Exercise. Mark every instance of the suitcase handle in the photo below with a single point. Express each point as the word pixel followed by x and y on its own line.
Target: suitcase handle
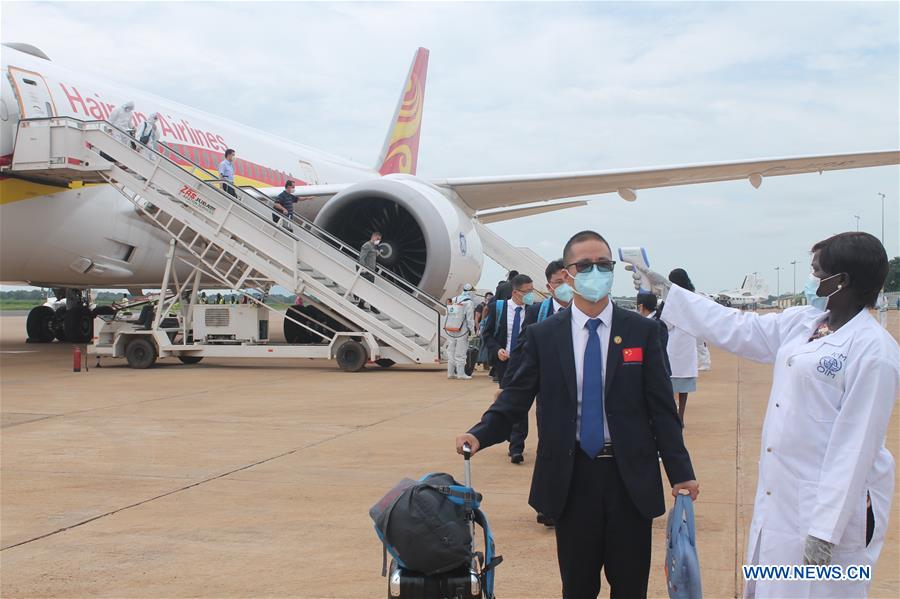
pixel 467 451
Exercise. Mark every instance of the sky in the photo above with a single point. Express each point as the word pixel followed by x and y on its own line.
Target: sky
pixel 520 88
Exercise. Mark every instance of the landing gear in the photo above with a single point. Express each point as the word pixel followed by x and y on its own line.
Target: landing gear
pixel 40 325
pixel 68 318
pixel 78 324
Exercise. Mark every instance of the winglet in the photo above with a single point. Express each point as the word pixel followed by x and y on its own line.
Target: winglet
pixel 401 146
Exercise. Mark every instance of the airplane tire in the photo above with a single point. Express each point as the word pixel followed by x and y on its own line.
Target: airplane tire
pixel 190 359
pixel 352 356
pixel 140 353
pixel 385 362
pixel 78 325
pixel 39 325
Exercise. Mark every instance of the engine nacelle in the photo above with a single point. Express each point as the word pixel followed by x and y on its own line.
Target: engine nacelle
pixel 426 238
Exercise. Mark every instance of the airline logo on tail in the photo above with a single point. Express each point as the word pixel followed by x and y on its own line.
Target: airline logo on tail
pixel 401 147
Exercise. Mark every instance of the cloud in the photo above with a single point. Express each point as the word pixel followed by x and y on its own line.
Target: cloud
pixel 543 87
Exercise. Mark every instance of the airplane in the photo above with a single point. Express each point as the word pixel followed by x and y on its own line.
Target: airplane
pixel 752 293
pixel 73 237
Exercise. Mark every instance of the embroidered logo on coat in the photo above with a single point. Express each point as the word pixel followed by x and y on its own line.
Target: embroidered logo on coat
pixel 831 365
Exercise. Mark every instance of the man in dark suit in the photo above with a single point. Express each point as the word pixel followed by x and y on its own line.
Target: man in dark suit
pixel 504 288
pixel 608 412
pixel 501 335
pixel 560 298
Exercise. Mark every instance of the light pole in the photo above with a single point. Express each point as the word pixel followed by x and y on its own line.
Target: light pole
pixel 856 216
pixel 794 264
pixel 778 281
pixel 882 217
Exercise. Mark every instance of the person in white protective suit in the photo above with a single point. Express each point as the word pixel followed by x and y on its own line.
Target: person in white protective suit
pixel 459 326
pixel 120 118
pixel 825 477
pixel 146 133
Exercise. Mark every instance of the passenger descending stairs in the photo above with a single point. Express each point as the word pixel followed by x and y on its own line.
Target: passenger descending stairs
pixel 233 239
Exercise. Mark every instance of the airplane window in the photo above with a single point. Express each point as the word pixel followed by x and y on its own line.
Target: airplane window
pixel 30 81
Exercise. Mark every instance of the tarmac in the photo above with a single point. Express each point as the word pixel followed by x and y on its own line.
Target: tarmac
pixel 254 478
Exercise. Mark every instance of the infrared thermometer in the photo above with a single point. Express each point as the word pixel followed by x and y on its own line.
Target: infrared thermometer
pixel 637 256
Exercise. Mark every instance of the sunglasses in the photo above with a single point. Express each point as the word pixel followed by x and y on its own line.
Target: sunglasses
pixel 583 266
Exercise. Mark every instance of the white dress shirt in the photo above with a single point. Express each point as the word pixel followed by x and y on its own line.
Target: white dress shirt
pixel 557 306
pixel 510 316
pixel 579 344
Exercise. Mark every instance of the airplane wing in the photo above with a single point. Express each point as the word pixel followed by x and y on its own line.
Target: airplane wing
pixel 485 193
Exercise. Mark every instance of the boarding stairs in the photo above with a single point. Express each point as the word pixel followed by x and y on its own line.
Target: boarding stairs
pixel 232 238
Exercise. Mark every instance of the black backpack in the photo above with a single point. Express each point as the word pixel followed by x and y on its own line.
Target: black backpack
pixel 424 526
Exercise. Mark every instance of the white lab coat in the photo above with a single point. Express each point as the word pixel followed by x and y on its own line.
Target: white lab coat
pixel 823 435
pixel 704 361
pixel 682 350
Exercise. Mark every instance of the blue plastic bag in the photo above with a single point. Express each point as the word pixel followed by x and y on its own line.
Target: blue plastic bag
pixel 682 564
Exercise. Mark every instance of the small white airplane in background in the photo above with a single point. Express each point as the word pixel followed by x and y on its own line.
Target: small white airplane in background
pixel 752 293
pixel 77 237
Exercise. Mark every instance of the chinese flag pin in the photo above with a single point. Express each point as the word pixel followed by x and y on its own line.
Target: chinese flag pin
pixel 617 340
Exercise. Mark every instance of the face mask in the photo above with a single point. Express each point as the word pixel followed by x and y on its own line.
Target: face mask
pixel 593 285
pixel 812 287
pixel 528 298
pixel 377 242
pixel 564 293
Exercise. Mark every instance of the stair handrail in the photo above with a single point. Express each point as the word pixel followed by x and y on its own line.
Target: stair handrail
pixel 390 277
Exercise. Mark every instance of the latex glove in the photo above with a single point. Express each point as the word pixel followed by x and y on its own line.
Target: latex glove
pixel 659 284
pixel 817 552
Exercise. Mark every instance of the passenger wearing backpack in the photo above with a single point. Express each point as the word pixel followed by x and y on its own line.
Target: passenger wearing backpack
pixel 458 326
pixel 146 132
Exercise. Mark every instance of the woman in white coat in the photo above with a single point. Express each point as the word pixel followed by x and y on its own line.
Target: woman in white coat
pixel 682 350
pixel 825 477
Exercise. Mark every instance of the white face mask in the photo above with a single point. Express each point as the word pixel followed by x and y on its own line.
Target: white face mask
pixel 810 290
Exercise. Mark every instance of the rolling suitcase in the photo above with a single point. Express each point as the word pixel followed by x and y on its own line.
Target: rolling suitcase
pixel 472 355
pixel 467 581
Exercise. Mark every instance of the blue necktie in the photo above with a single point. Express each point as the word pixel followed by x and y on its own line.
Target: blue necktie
pixel 517 324
pixel 592 393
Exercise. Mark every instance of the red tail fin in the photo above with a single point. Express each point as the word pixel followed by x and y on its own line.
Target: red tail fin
pixel 401 146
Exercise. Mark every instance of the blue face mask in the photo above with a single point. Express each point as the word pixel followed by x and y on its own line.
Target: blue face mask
pixel 564 293
pixel 593 285
pixel 810 291
pixel 528 298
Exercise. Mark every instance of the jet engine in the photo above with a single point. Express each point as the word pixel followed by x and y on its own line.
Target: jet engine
pixel 426 238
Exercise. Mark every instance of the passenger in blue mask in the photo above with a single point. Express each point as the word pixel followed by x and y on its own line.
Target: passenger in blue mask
pixel 501 335
pixel 607 412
